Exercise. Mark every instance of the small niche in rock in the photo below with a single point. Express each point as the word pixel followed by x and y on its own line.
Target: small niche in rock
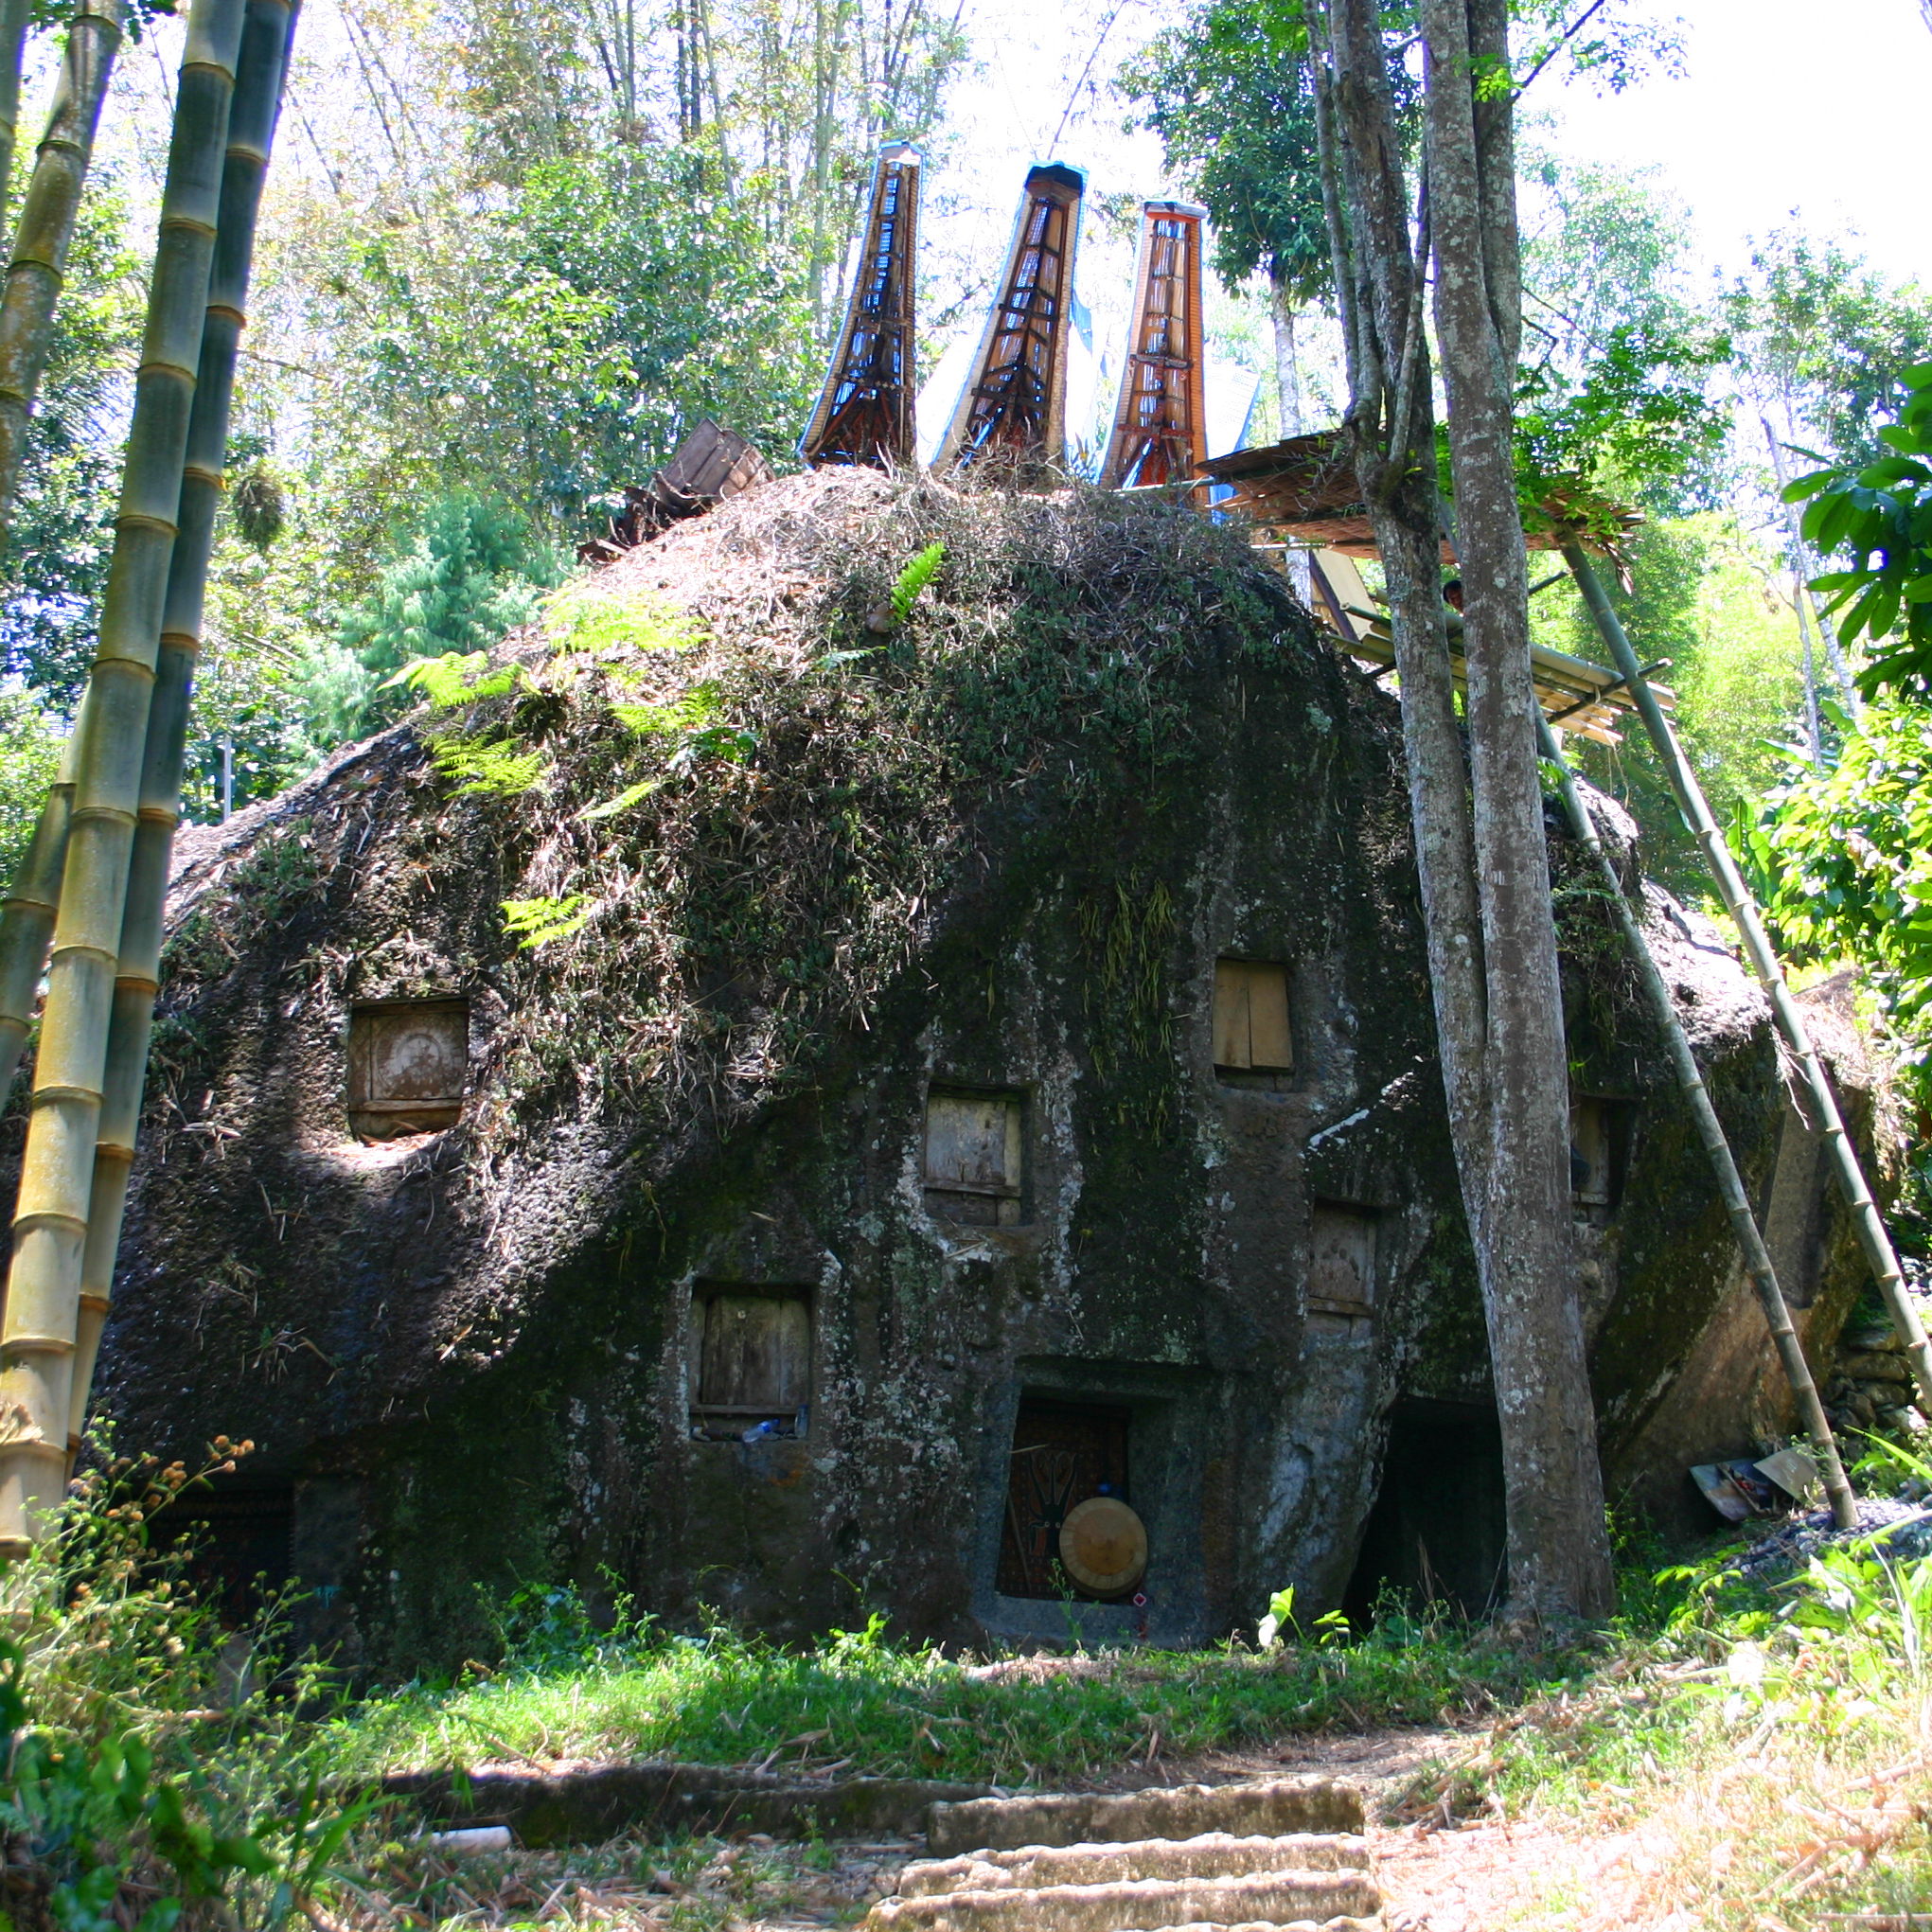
pixel 974 1154
pixel 1254 1041
pixel 750 1363
pixel 1598 1150
pixel 1341 1266
pixel 408 1067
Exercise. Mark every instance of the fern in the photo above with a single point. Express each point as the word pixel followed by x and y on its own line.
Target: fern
pixel 456 678
pixel 585 617
pixel 537 922
pixel 630 795
pixel 914 578
pixel 490 765
pixel 695 711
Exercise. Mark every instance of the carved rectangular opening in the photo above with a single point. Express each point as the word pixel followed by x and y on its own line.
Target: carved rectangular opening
pixel 408 1067
pixel 1598 1146
pixel 1437 1531
pixel 240 1542
pixel 1252 1037
pixel 1063 1453
pixel 974 1151
pixel 1341 1259
pixel 751 1360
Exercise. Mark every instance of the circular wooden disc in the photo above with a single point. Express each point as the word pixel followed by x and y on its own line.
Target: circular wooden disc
pixel 1103 1545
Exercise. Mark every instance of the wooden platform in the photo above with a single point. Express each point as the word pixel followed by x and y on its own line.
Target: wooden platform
pixel 1576 694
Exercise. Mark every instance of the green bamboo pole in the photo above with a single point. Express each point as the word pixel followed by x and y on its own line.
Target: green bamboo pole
pixel 1872 1238
pixel 27 918
pixel 13 25
pixel 1737 1204
pixel 258 75
pixel 26 311
pixel 48 214
pixel 39 1325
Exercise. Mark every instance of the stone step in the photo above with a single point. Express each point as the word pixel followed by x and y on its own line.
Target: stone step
pixel 1276 1809
pixel 1293 1925
pixel 1213 1855
pixel 1145 1905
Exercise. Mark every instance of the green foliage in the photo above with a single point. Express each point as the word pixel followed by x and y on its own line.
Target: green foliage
pixel 30 746
pixel 1826 343
pixel 913 579
pixel 456 678
pixel 537 921
pixel 1842 864
pixel 1709 597
pixel 53 568
pixel 469 572
pixel 1632 425
pixel 590 618
pixel 1881 510
pixel 259 503
pixel 1228 91
pixel 552 346
pixel 503 767
pixel 140 1777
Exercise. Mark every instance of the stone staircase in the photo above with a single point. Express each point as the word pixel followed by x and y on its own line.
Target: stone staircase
pixel 1284 1856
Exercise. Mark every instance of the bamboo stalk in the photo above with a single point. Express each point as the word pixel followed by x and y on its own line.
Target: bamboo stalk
pixel 259 70
pixel 47 213
pixel 39 1325
pixel 13 25
pixel 1872 1238
pixel 27 918
pixel 1711 1136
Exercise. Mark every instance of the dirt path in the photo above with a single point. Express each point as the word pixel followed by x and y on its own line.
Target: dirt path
pixel 1436 1875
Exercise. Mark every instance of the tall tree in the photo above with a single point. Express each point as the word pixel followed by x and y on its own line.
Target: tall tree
pixel 1479 827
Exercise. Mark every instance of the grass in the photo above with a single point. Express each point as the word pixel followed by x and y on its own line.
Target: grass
pixel 864 1706
pixel 1725 1756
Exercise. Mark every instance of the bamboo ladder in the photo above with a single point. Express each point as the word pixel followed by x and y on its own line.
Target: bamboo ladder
pixel 1879 1253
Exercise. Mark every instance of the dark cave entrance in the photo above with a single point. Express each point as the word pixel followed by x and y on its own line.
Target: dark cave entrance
pixel 1437 1531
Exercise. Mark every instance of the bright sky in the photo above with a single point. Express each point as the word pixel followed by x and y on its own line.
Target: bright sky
pixel 1783 105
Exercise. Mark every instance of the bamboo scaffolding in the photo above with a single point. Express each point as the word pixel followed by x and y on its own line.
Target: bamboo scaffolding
pixel 47 213
pixel 38 1329
pixel 1711 1136
pixel 1826 1119
pixel 260 69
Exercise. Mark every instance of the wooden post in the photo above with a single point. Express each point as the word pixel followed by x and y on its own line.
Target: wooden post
pixel 1872 1238
pixel 1711 1136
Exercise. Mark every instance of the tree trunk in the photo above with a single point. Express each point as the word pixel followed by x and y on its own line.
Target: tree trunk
pixel 1479 827
pixel 39 1326
pixel 47 228
pixel 1804 565
pixel 1287 376
pixel 1559 1552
